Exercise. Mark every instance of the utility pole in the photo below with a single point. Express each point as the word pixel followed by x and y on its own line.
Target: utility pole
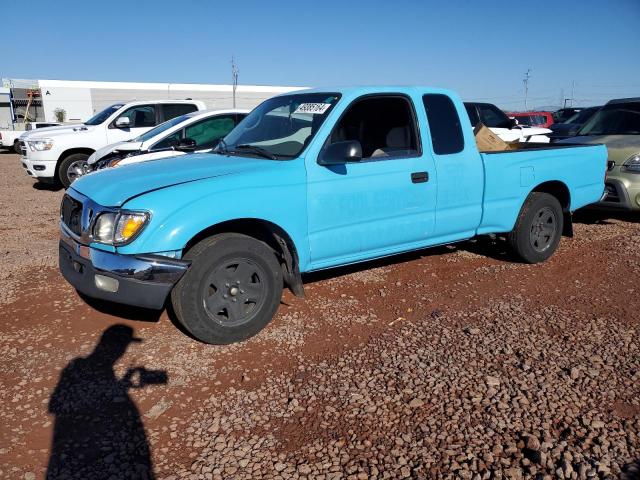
pixel 527 75
pixel 573 88
pixel 234 77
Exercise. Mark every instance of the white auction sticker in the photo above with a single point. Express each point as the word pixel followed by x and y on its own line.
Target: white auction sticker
pixel 313 108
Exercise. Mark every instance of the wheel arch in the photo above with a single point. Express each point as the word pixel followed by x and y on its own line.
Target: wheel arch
pixel 270 233
pixel 71 151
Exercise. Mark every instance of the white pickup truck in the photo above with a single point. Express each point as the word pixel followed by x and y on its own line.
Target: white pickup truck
pixel 59 155
pixel 9 139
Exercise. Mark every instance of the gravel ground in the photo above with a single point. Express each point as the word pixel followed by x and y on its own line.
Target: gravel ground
pixel 450 363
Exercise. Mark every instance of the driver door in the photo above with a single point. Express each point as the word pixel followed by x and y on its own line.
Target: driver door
pixel 384 203
pixel 141 119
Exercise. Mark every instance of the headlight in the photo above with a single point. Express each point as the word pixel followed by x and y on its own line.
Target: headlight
pixel 632 164
pixel 40 145
pixel 119 228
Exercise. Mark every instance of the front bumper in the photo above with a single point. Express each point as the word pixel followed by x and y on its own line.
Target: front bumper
pixel 621 193
pixel 42 170
pixel 137 280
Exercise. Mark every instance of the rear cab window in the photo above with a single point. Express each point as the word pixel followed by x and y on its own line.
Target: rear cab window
pixel 444 124
pixel 172 110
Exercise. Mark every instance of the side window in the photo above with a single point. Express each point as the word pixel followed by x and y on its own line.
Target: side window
pixel 384 125
pixel 473 114
pixel 141 116
pixel 207 133
pixel 444 124
pixel 493 117
pixel 171 141
pixel 172 110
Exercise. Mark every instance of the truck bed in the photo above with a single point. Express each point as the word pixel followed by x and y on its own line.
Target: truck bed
pixel 511 175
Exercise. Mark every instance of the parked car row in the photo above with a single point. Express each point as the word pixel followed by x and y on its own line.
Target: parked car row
pixel 60 154
pixel 306 181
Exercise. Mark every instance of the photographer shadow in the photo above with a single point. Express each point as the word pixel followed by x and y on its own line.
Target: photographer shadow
pixel 98 431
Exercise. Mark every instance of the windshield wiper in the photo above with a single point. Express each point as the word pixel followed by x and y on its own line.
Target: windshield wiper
pixel 259 150
pixel 222 147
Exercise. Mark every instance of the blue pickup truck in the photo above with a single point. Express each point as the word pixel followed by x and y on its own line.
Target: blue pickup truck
pixel 309 181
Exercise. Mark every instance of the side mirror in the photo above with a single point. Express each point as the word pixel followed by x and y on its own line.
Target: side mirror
pixel 338 153
pixel 513 123
pixel 186 145
pixel 123 122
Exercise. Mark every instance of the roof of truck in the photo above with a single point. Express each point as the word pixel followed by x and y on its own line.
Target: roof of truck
pixel 348 90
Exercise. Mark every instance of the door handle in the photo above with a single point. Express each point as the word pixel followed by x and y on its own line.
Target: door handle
pixel 420 177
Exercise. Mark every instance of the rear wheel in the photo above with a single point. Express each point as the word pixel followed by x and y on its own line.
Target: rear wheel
pixel 16 147
pixel 231 291
pixel 538 229
pixel 72 168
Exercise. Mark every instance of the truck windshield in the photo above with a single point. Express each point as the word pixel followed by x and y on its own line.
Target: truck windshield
pixel 280 127
pixel 98 118
pixel 163 127
pixel 614 119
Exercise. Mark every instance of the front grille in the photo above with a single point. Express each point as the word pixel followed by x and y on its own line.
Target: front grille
pixel 71 214
pixel 612 193
pixel 610 165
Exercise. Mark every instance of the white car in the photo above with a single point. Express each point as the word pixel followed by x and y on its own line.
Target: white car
pixel 506 128
pixel 9 139
pixel 60 154
pixel 196 131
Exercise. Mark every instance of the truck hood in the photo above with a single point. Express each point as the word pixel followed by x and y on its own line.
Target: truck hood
pixel 128 146
pixel 112 187
pixel 620 147
pixel 54 132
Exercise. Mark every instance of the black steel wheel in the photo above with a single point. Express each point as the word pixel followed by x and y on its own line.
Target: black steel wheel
pixel 234 290
pixel 231 290
pixel 543 229
pixel 538 228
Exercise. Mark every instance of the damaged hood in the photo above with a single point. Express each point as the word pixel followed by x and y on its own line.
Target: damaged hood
pixel 124 146
pixel 112 187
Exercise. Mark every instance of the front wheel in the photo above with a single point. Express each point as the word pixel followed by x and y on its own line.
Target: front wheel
pixel 16 147
pixel 72 168
pixel 231 291
pixel 538 228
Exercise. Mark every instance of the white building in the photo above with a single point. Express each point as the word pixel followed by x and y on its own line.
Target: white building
pixel 81 99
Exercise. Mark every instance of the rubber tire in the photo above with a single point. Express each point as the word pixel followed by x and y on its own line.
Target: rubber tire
pixel 519 237
pixel 186 298
pixel 64 165
pixel 16 147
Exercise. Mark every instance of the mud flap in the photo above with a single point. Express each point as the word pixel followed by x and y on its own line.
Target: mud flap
pixel 567 228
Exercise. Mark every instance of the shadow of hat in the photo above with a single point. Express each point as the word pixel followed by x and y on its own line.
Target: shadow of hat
pixel 122 334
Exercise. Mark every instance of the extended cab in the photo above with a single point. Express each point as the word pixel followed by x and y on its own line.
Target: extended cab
pixel 310 181
pixel 60 154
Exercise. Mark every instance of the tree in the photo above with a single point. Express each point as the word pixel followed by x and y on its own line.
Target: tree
pixel 61 114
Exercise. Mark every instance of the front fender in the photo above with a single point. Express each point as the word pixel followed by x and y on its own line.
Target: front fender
pixel 181 212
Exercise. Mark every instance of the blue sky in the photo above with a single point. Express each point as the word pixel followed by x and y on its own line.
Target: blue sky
pixel 479 48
